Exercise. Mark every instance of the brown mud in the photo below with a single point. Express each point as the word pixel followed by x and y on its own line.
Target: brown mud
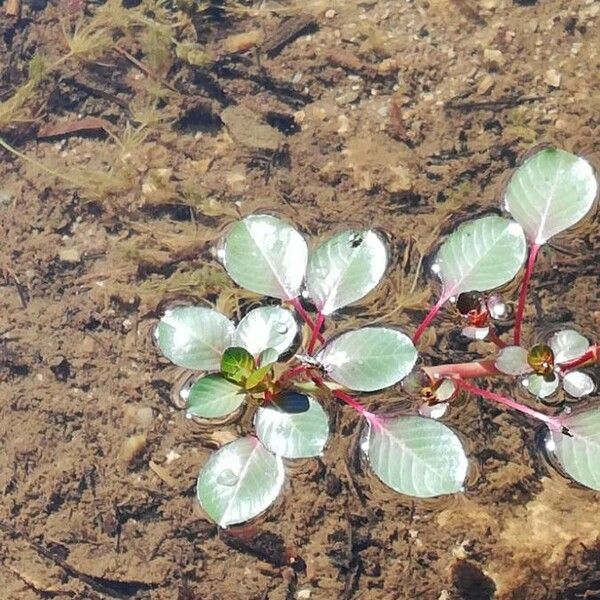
pixel 406 116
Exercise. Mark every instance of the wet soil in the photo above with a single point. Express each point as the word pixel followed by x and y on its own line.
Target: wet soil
pixel 406 116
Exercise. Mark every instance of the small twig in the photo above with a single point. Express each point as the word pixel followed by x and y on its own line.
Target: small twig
pixel 487 104
pixel 143 68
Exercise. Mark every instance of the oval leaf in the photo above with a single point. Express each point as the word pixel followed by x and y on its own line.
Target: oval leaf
pixel 266 255
pixel 578 453
pixel 293 435
pixel 194 337
pixel 368 359
pixel 266 327
pixel 292 402
pixel 212 396
pixel 480 255
pixel 416 456
pixel 237 364
pixel 239 481
pixel 551 191
pixel 345 269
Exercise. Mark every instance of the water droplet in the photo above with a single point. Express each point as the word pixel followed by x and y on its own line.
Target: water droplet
pixel 281 328
pixel 189 415
pixel 227 477
pixel 436 268
pixel 185 393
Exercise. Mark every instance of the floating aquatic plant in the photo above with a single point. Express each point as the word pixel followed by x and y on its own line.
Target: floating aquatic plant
pixel 288 384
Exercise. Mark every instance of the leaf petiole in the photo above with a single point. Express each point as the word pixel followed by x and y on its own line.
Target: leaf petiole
pixel 533 252
pixel 553 423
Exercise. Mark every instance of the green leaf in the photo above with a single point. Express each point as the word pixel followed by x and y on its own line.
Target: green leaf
pixel 268 356
pixel 480 255
pixel 579 453
pixel 416 456
pixel 194 337
pixel 239 481
pixel 237 364
pixel 266 255
pixel 212 397
pixel 550 192
pixel 368 359
pixel 293 435
pixel 258 376
pixel 266 327
pixel 345 269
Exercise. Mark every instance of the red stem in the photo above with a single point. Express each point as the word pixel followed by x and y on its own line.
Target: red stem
pixel 533 252
pixel 295 302
pixel 495 339
pixel 553 423
pixel 483 368
pixel 592 354
pixel 348 399
pixel 293 372
pixel 315 332
pixel 429 317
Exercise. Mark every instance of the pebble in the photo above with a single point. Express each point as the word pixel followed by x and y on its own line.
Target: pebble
pixel 493 59
pixel 133 447
pixel 69 255
pixel 303 594
pixel 347 98
pixel 485 85
pixel 552 78
pixel 330 14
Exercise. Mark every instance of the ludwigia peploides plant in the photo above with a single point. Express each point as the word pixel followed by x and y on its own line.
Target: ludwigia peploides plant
pixel 260 362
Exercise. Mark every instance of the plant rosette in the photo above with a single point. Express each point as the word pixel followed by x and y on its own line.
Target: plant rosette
pixel 412 454
pixel 543 365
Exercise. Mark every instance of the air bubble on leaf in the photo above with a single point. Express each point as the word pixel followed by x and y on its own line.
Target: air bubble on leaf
pixel 184 394
pixel 227 477
pixel 281 328
pixel 550 445
pixel 436 268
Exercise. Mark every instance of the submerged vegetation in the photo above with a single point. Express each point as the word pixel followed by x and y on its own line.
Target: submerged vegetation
pixel 261 362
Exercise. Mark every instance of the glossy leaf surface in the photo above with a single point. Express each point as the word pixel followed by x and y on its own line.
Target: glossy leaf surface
pixel 239 481
pixel 212 397
pixel 194 337
pixel 550 192
pixel 266 255
pixel 579 453
pixel 416 456
pixel 480 255
pixel 368 359
pixel 266 327
pixel 345 269
pixel 293 435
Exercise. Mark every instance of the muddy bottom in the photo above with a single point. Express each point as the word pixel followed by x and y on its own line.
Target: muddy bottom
pixel 404 116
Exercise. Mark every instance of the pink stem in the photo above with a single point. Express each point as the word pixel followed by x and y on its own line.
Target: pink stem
pixel 592 354
pixel 483 368
pixel 293 372
pixel 349 400
pixel 533 252
pixel 315 332
pixel 295 302
pixel 552 422
pixel 430 316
